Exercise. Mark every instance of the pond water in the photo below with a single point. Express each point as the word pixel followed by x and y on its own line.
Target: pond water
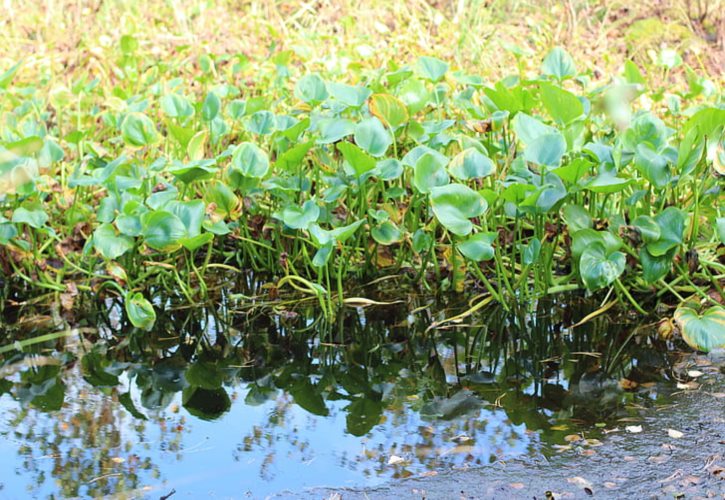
pixel 237 401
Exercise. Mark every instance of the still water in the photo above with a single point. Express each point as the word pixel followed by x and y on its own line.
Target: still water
pixel 240 402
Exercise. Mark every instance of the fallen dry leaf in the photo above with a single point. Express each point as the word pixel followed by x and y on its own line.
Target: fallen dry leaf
pixel 695 373
pixel 572 438
pixel 579 481
pixel 674 434
pixel 395 460
pixel 517 486
pixel 634 429
pixel 689 386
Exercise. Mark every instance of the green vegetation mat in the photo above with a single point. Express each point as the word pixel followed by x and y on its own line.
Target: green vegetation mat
pixel 147 183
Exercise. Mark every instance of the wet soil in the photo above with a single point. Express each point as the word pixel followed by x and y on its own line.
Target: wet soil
pixel 654 463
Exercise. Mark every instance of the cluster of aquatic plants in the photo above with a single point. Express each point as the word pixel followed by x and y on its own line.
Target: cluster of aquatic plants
pixel 523 187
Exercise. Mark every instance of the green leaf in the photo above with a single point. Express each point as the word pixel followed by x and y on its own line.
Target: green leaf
pixel 563 106
pixel 386 233
pixel 109 244
pixel 162 230
pixel 140 311
pixel 528 129
pixel 586 238
pixel 292 158
pixel 191 214
pixel 372 136
pixel 430 172
pixel 311 88
pixel 647 227
pixel 200 170
pixel 672 227
pixel 359 160
pixel 576 217
pixel 720 223
pixel 211 107
pixel 546 150
pixel 654 167
pixel 607 181
pixel 702 332
pixel 34 217
pixel 138 130
pixel 343 233
pixel 7 232
pixel 334 129
pixel 261 122
pixel 176 106
pixel 414 94
pixel 351 95
pixel 389 109
pixel 478 247
pixel 301 217
pixel 431 68
pixel 632 73
pixel 598 269
pixel 222 196
pixel 323 254
pixel 453 206
pixel 192 243
pixel 8 75
pixel 250 160
pixel 531 252
pixel 655 267
pixel 471 164
pixel 559 64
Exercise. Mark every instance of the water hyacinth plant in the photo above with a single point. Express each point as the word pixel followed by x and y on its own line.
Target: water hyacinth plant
pixel 522 187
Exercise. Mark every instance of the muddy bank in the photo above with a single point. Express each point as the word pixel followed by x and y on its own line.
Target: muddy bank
pixel 652 463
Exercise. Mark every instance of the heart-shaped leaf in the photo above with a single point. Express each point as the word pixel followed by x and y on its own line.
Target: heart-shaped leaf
pixel 372 136
pixel 109 244
pixel 389 109
pixel 599 269
pixel 702 332
pixel 559 64
pixel 140 311
pixel 250 160
pixel 478 247
pixel 471 164
pixel 138 130
pixel 301 217
pixel 453 206
pixel 311 88
pixel 430 172
pixel 162 230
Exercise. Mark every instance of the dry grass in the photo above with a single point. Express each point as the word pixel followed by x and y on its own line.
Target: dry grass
pixel 71 37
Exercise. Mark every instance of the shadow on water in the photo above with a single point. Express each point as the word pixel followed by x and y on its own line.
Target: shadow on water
pixel 236 400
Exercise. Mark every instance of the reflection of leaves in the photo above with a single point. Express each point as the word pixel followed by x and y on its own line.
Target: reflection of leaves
pixel 306 396
pixel 362 416
pixel 47 396
pixel 125 400
pixel 93 368
pixel 447 408
pixel 160 383
pixel 205 375
pixel 259 394
pixel 5 386
pixel 205 403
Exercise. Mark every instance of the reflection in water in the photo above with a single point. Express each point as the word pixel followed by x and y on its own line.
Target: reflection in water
pixel 231 401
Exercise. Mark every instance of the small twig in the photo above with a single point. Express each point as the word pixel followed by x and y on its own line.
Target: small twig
pixel 166 497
